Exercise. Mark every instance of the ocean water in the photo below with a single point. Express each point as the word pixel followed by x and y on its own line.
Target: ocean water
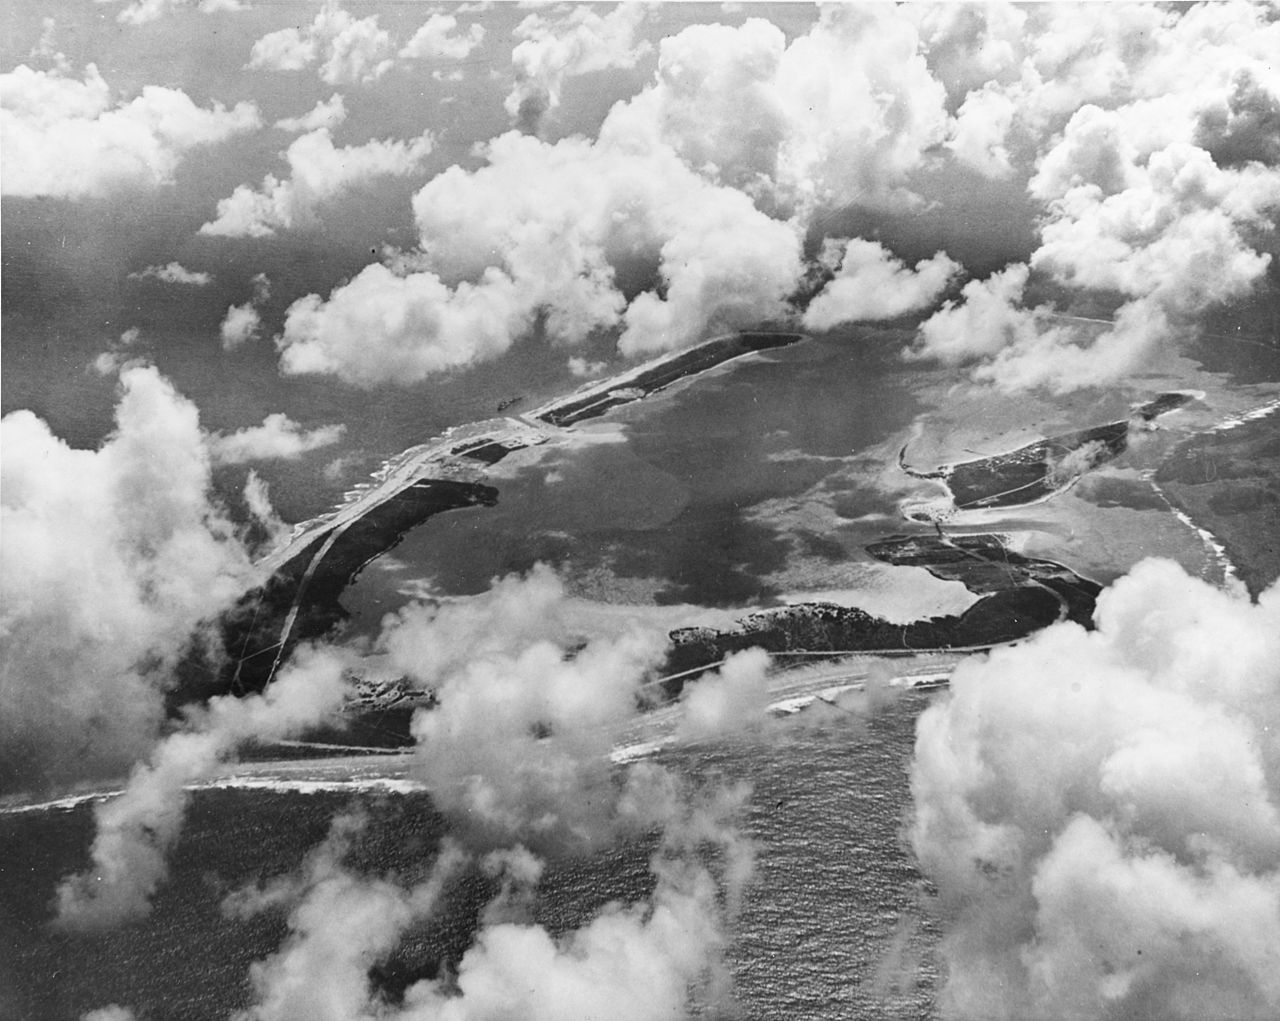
pixel 835 924
pixel 657 502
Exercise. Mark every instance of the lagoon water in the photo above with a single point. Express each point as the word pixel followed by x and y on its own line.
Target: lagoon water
pixel 834 925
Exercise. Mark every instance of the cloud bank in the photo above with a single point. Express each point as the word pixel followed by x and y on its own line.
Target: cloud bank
pixel 1099 812
pixel 1143 131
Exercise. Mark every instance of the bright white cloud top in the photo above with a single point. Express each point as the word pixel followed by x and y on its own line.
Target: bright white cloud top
pixel 69 138
pixel 319 172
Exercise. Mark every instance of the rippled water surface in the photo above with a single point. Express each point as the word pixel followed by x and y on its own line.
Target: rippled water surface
pixel 832 926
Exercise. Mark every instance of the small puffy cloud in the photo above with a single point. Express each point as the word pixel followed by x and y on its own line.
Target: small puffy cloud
pixel 112 559
pixel 123 352
pixel 1099 811
pixel 173 273
pixel 733 698
pixel 278 437
pixel 555 48
pixel 347 49
pixel 871 284
pixel 438 38
pixel 239 326
pixel 583 369
pixel 257 499
pixel 319 172
pixel 112 1012
pixel 68 138
pixel 45 46
pixel 328 113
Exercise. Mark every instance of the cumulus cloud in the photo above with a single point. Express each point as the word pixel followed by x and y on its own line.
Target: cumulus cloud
pixel 1144 134
pixel 517 748
pixel 135 830
pixel 347 49
pixel 278 437
pixel 173 273
pixel 112 559
pixel 1099 811
pixel 438 39
pixel 871 284
pixel 69 139
pixel 319 172
pixel 553 49
pixel 140 12
pixel 841 116
pixel 734 698
pixel 123 352
pixel 987 318
pixel 328 113
pixel 547 228
pixel 242 323
pixel 239 326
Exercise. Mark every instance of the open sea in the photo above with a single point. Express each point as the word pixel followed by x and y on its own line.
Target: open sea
pixel 834 925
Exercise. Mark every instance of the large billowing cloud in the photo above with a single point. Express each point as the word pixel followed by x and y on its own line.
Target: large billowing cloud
pixel 841 116
pixel 547 228
pixel 347 49
pixel 319 171
pixel 69 138
pixel 553 49
pixel 1149 136
pixel 1101 812
pixel 111 560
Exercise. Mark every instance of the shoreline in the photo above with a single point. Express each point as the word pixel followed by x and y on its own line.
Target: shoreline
pixel 445 473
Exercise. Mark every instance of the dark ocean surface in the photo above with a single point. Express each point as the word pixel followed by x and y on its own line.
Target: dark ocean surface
pixel 834 925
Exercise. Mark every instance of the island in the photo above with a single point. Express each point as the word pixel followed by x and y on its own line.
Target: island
pixel 1035 472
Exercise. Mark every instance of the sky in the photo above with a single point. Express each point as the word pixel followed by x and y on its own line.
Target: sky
pixel 231 229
